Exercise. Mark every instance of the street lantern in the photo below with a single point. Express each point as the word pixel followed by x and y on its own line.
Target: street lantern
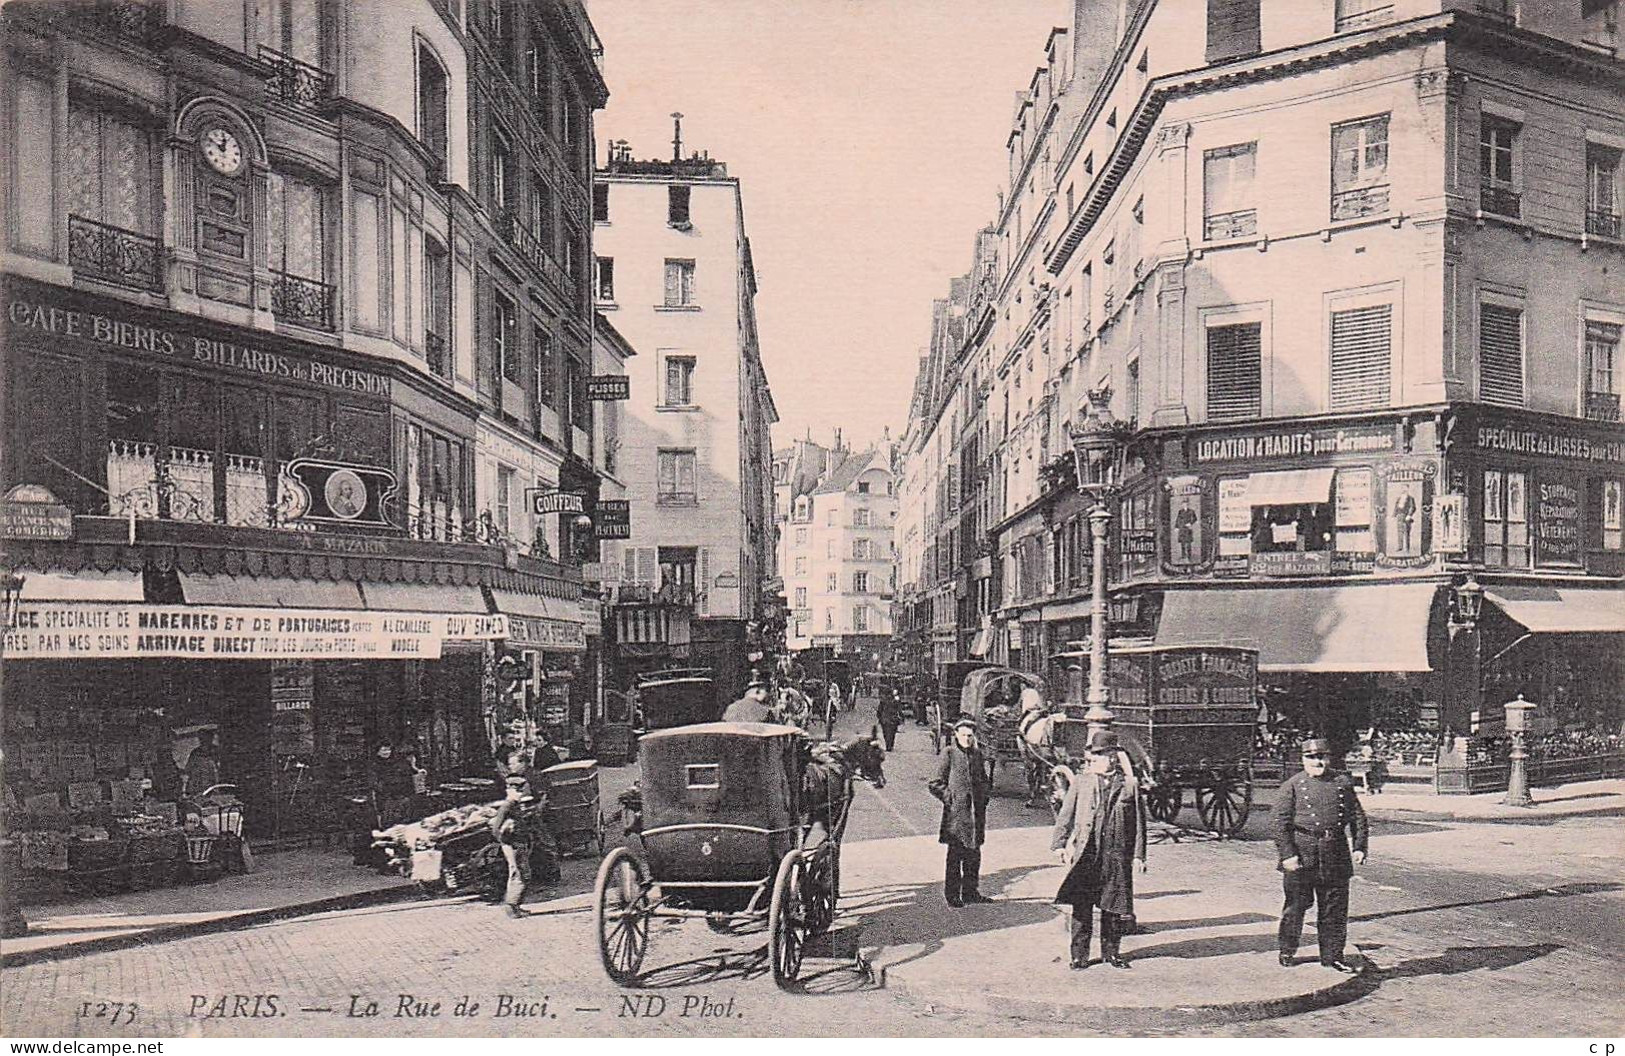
pixel 1469 602
pixel 1517 718
pixel 1099 450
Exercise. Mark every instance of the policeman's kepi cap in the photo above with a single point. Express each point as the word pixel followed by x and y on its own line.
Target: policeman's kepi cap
pixel 1317 746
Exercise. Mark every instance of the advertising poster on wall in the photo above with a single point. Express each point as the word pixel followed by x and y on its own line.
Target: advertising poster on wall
pixel 1186 545
pixel 1449 513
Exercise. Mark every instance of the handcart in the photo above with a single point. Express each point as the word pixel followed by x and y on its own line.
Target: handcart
pixel 571 810
pixel 214 834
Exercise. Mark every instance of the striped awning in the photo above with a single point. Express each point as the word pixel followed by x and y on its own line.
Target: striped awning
pixel 87 584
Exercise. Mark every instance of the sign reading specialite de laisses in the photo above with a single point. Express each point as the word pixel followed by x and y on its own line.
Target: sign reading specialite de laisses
pixel 46 631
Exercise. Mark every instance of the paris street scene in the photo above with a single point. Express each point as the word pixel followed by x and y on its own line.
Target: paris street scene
pixel 622 519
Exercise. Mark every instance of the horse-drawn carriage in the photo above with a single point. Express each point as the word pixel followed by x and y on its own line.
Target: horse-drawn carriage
pixel 950 684
pixel 1187 717
pixel 729 816
pixel 992 696
pixel 678 696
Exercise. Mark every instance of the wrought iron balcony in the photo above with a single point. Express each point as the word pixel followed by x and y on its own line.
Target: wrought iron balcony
pixel 294 82
pixel 1361 201
pixel 303 301
pixel 1602 223
pixel 1238 224
pixel 522 238
pixel 1502 201
pixel 434 352
pixel 112 254
pixel 1602 406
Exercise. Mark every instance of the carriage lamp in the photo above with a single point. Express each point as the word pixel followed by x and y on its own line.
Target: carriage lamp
pixel 1517 717
pixel 11 587
pixel 1099 450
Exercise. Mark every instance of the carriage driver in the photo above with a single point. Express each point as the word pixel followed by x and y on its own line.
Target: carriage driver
pixel 753 706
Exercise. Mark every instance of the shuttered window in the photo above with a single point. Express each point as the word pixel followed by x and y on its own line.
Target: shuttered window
pixel 1360 357
pixel 1234 372
pixel 1500 355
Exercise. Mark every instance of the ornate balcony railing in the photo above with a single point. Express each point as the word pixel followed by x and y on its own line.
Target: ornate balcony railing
pixel 303 301
pixel 1602 223
pixel 1501 201
pixel 434 352
pixel 522 239
pixel 1360 201
pixel 1602 406
pixel 1238 224
pixel 153 482
pixel 295 82
pixel 112 254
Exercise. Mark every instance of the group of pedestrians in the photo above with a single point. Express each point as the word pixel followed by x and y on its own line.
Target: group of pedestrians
pixel 1100 833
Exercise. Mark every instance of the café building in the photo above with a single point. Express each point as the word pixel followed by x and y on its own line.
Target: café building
pixel 235 531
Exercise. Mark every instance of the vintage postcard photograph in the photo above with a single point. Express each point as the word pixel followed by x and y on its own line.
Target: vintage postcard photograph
pixel 712 519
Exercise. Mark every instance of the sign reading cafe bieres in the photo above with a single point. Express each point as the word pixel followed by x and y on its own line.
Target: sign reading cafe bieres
pixel 196 348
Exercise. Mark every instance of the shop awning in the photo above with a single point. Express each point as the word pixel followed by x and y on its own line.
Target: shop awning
pixel 1069 610
pixel 268 592
pixel 1289 487
pixel 515 604
pixel 88 584
pixel 1562 610
pixel 978 647
pixel 423 597
pixel 1371 627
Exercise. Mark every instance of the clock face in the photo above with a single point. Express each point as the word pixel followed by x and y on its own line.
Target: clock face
pixel 222 151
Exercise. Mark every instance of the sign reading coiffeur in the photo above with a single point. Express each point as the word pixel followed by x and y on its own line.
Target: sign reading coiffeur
pixel 46 631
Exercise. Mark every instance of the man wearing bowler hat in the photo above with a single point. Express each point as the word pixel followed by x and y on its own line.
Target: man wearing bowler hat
pixel 1316 812
pixel 962 783
pixel 1099 831
pixel 753 706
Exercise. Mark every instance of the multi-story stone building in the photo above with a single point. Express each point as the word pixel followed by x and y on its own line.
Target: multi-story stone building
pixel 1349 272
pixel 674 274
pixel 296 309
pixel 837 550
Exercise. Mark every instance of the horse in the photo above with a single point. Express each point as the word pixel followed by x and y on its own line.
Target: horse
pixel 793 706
pixel 826 781
pixel 1037 741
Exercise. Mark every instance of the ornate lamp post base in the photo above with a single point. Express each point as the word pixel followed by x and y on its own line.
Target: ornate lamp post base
pixel 1517 719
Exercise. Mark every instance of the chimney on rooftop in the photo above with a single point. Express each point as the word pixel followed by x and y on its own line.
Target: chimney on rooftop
pixel 676 136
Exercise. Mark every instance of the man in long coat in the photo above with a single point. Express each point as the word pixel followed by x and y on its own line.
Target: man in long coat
pixel 753 706
pixel 962 783
pixel 1315 814
pixel 1100 829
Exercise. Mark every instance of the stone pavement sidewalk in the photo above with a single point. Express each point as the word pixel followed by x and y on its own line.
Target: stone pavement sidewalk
pixel 1581 799
pixel 286 883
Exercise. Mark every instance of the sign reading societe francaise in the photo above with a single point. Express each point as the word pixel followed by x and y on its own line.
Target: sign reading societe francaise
pixel 47 631
pixel 23 313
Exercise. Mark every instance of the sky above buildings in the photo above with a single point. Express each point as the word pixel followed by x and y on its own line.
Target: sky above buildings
pixel 868 137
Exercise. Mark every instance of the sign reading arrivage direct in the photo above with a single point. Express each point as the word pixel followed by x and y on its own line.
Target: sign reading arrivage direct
pixel 609 387
pixel 46 631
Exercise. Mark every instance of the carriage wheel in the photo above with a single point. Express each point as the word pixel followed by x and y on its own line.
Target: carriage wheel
pixel 1163 802
pixel 1225 803
pixel 598 833
pixel 1060 783
pixel 787 924
pixel 823 878
pixel 621 915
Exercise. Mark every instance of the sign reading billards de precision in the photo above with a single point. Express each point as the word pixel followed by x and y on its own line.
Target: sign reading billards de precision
pixel 609 387
pixel 542 502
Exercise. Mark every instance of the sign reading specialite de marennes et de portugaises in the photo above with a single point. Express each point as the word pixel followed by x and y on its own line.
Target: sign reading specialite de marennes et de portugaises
pixel 65 631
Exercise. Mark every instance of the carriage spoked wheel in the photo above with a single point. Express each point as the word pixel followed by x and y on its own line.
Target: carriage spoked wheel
pixel 621 914
pixel 1224 803
pixel 787 923
pixel 1163 802
pixel 598 833
pixel 823 891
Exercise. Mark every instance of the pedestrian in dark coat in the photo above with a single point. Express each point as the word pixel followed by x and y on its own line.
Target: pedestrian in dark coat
pixel 1316 813
pixel 962 783
pixel 1100 829
pixel 889 714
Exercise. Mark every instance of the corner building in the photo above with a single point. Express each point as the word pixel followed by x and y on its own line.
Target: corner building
pixel 296 305
pixel 1350 271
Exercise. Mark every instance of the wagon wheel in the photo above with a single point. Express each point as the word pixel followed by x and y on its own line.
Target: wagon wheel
pixel 1224 804
pixel 787 925
pixel 820 893
pixel 1060 782
pixel 598 833
pixel 1163 802
pixel 621 913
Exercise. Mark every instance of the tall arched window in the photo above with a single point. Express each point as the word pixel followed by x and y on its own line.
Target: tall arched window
pixel 432 89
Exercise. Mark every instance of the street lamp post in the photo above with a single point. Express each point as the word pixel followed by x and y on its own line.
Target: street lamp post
pixel 1517 716
pixel 1463 686
pixel 11 591
pixel 1098 451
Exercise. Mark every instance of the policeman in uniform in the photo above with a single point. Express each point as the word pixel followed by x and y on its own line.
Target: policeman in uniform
pixel 1316 812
